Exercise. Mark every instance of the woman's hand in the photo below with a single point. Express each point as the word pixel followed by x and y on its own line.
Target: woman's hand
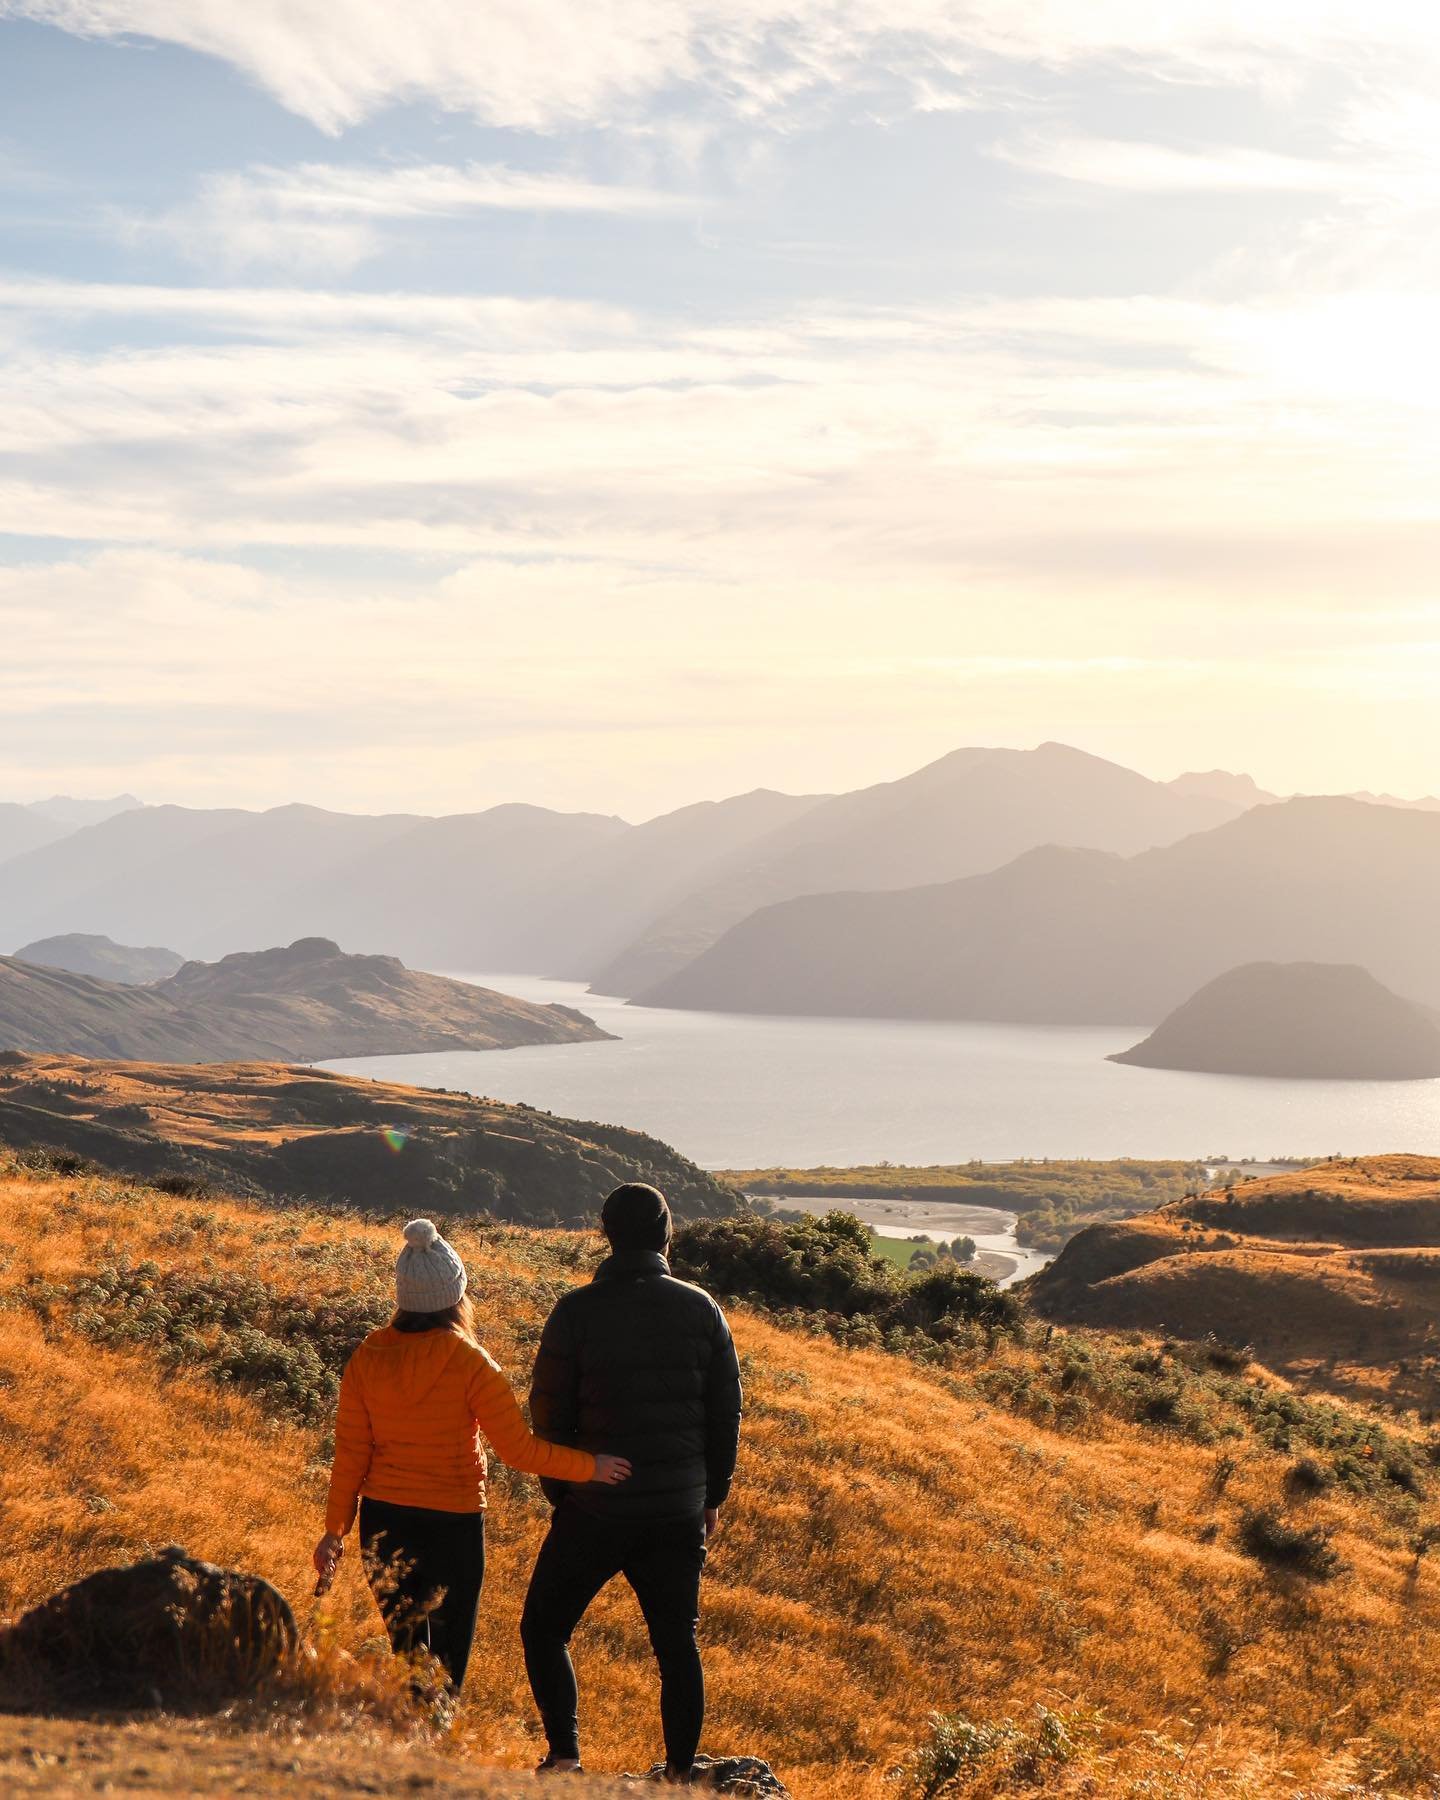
pixel 611 1470
pixel 327 1557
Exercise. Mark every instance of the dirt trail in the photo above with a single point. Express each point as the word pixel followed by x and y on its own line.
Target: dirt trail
pixel 184 1757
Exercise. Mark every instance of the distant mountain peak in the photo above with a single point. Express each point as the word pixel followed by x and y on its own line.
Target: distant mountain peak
pixel 1222 784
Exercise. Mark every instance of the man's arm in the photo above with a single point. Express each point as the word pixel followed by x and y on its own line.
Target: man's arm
pixel 722 1416
pixel 555 1389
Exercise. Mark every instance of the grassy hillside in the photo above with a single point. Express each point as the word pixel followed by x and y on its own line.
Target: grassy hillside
pixel 1332 1273
pixel 1053 1199
pixel 1021 1526
pixel 266 1130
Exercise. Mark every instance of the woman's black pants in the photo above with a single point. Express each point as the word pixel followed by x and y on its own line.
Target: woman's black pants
pixel 425 1569
pixel 662 1559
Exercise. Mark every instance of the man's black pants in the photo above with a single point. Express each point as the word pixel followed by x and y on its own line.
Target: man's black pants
pixel 662 1559
pixel 425 1569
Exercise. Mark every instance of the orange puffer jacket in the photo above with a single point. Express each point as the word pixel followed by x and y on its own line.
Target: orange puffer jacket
pixel 411 1407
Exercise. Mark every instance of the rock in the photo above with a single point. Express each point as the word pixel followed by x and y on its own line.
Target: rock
pixel 745 1775
pixel 165 1630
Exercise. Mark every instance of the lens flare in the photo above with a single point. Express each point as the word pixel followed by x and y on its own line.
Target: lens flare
pixel 396 1136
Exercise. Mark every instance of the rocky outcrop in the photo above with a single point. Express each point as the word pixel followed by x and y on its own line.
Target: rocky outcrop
pixel 747 1776
pixel 167 1630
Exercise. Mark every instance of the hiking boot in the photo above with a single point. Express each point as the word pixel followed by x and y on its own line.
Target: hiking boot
pixel 550 1764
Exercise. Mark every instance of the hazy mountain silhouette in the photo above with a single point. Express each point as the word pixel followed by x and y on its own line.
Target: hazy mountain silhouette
pixel 457 893
pixel 1296 1020
pixel 83 953
pixel 292 1005
pixel 444 891
pixel 1222 784
pixel 615 891
pixel 1079 936
pixel 972 810
pixel 66 809
pixel 23 829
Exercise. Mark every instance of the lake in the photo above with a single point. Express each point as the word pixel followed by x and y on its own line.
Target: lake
pixel 733 1091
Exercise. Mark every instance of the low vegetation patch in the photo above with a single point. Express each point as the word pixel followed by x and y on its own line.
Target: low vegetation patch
pixel 961 1755
pixel 823 1274
pixel 288 1352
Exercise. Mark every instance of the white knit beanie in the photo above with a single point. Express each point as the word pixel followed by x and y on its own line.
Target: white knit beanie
pixel 429 1276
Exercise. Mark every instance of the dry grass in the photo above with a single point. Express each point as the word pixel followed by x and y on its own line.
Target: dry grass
pixel 895 1545
pixel 1331 1272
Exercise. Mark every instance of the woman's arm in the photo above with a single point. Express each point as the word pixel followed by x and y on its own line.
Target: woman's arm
pixel 354 1447
pixel 497 1412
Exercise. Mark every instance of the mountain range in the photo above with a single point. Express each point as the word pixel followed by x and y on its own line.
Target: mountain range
pixel 579 894
pixel 1044 884
pixel 1074 936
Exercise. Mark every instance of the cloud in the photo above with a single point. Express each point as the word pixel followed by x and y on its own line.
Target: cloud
pixel 823 441
pixel 325 218
pixel 1161 169
pixel 525 62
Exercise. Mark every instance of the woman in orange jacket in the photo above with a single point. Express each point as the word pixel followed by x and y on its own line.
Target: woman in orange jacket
pixel 413 1400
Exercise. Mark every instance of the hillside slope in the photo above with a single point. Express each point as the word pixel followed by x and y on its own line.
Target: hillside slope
pixel 1300 1020
pixel 264 1130
pixel 1075 936
pixel 1332 1274
pixel 973 810
pixel 912 1537
pixel 300 1003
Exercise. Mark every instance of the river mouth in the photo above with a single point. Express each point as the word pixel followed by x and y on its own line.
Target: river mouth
pixel 996 1252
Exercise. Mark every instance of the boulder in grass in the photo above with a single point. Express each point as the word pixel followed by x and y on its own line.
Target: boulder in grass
pixel 167 1630
pixel 747 1776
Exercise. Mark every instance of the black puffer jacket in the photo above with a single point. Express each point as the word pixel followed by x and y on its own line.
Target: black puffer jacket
pixel 641 1365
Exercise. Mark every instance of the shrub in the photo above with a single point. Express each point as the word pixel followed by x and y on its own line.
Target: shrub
pixel 959 1754
pixel 1305 1550
pixel 1309 1476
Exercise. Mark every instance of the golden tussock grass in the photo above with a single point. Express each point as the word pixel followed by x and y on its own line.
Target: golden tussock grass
pixel 895 1544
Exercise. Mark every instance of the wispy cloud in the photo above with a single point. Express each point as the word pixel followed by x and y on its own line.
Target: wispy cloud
pixel 329 217
pixel 1162 169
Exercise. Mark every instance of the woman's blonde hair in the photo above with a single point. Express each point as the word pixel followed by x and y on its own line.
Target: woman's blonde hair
pixel 459 1317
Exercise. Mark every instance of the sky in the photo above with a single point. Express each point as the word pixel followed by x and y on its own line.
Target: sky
pixel 610 407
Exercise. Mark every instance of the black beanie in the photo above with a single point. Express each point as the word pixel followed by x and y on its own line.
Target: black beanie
pixel 636 1217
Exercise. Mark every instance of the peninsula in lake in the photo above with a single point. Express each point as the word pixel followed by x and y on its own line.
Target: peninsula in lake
pixel 297 1004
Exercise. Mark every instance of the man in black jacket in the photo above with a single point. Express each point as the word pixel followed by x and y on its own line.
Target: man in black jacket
pixel 641 1365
